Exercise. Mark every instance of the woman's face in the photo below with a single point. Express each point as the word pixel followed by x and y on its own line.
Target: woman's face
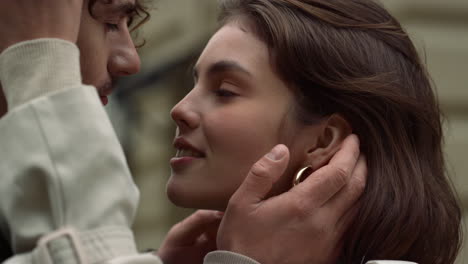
pixel 236 112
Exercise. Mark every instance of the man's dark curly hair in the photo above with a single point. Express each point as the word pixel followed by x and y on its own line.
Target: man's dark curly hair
pixel 141 13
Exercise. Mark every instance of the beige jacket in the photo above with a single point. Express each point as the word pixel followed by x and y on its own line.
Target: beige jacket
pixel 66 193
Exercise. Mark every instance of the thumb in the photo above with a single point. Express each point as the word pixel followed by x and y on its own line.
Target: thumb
pixel 261 177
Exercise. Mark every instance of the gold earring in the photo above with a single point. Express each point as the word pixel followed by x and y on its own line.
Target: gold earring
pixel 299 175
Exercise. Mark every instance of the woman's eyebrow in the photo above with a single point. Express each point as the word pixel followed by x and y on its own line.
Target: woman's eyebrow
pixel 223 66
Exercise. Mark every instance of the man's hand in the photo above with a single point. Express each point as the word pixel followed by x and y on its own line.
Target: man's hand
pixel 303 225
pixel 22 20
pixel 190 240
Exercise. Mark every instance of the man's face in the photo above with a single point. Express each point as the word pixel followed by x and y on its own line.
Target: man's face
pixel 106 47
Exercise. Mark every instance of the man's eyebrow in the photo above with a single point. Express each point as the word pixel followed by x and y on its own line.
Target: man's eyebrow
pixel 124 8
pixel 223 66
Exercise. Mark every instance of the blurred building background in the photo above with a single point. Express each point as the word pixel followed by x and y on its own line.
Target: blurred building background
pixel 176 34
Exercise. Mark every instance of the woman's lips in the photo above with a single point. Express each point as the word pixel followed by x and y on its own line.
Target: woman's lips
pixel 186 154
pixel 186 149
pixel 179 163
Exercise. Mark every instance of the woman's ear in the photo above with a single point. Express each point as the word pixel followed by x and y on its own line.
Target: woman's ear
pixel 330 136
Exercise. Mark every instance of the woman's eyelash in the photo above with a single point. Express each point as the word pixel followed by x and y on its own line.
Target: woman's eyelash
pixel 224 93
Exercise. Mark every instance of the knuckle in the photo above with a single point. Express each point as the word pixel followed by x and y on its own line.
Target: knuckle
pixel 260 170
pixel 197 216
pixel 340 176
pixel 175 228
pixel 355 146
pixel 299 209
pixel 359 179
pixel 234 204
pixel 319 228
pixel 359 185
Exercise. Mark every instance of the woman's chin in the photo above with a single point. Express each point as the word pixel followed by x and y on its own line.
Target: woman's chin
pixel 186 196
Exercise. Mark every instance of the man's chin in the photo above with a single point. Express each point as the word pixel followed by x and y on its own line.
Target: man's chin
pixel 104 100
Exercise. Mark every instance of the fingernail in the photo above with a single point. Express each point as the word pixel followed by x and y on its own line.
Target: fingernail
pixel 277 153
pixel 219 214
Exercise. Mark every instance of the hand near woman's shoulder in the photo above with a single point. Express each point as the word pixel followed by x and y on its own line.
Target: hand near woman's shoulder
pixel 190 240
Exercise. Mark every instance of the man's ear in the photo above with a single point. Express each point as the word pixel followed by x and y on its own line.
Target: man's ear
pixel 332 133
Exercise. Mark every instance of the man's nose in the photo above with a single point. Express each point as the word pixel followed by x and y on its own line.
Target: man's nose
pixel 124 59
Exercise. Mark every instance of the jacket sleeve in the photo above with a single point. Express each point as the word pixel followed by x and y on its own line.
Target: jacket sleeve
pixel 61 163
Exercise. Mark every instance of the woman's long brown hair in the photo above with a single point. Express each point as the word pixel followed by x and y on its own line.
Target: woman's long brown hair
pixel 353 58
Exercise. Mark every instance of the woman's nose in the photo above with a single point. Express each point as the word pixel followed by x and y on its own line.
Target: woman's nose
pixel 185 117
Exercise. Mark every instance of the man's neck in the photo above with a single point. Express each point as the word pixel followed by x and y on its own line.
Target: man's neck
pixel 3 103
pixel 5 250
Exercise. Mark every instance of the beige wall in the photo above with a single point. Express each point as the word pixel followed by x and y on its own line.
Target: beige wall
pixel 441 29
pixel 181 27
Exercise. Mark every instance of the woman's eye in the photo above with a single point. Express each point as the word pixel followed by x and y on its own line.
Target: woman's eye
pixel 224 93
pixel 112 27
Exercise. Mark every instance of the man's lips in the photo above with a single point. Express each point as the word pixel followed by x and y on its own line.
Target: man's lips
pixel 104 100
pixel 104 91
